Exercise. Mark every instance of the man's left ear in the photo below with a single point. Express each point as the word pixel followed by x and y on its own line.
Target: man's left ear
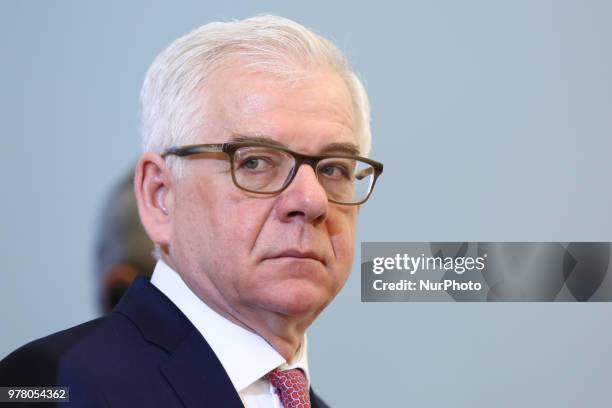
pixel 154 195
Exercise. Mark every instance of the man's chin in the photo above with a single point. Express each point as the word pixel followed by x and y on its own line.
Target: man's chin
pixel 297 298
pixel 292 267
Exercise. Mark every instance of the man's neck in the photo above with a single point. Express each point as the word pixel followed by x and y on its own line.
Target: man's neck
pixel 283 333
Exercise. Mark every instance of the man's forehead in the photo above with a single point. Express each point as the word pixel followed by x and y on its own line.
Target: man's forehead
pixel 314 116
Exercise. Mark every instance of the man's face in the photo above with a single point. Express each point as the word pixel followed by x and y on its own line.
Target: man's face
pixel 248 254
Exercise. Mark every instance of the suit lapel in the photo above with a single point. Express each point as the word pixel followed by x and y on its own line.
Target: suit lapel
pixel 192 369
pixel 197 376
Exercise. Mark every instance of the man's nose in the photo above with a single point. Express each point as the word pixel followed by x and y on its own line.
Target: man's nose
pixel 305 198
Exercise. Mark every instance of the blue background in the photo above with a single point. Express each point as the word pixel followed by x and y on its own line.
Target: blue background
pixel 493 119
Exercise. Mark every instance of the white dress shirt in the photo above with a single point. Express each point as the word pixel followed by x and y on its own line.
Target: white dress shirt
pixel 246 356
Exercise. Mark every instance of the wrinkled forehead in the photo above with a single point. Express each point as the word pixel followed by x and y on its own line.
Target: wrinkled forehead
pixel 308 112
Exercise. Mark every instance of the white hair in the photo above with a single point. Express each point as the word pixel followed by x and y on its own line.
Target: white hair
pixel 171 93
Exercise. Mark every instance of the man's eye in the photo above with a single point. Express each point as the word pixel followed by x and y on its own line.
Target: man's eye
pixel 334 171
pixel 256 163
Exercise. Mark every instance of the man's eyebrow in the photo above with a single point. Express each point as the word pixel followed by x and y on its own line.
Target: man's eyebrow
pixel 257 139
pixel 349 149
pixel 345 148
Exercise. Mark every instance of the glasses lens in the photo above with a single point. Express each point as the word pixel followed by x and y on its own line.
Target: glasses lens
pixel 346 181
pixel 262 169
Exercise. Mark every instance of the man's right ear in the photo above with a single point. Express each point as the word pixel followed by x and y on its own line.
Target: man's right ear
pixel 154 194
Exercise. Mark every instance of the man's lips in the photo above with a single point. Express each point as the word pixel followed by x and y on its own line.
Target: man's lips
pixel 295 253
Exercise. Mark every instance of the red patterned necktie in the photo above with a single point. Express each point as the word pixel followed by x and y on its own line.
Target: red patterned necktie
pixel 291 386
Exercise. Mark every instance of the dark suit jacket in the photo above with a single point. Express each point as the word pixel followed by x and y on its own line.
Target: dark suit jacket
pixel 145 354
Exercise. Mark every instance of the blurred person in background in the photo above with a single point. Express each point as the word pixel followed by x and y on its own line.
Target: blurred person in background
pixel 123 250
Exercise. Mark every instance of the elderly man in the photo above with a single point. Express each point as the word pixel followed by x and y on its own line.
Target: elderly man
pixel 249 186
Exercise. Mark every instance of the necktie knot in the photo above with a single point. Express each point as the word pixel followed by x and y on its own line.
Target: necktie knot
pixel 291 386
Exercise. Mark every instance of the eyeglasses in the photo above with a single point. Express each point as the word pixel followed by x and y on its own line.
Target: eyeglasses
pixel 265 169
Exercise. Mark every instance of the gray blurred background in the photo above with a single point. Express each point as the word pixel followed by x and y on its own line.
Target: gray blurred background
pixel 493 119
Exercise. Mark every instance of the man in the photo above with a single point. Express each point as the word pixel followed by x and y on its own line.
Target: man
pixel 249 187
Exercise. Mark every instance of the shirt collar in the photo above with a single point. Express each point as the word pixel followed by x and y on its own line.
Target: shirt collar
pixel 245 355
